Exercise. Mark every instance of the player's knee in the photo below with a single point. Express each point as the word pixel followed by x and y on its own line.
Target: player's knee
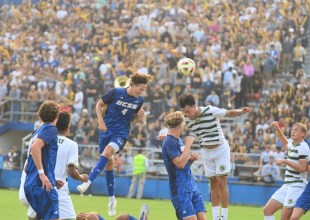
pixel 267 211
pixel 213 181
pixel 109 167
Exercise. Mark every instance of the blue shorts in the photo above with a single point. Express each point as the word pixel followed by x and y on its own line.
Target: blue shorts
pixel 304 200
pixel 45 204
pixel 188 204
pixel 108 138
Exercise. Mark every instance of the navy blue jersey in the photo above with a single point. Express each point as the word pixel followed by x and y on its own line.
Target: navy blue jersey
pixel 48 133
pixel 180 180
pixel 120 111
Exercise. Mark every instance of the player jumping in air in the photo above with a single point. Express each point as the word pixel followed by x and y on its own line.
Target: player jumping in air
pixel 123 106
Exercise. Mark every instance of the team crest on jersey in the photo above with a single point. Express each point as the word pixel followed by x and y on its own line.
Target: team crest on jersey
pixel 222 168
pixel 290 201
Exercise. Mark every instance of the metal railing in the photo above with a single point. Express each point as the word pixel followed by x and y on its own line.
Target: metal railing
pixel 19 110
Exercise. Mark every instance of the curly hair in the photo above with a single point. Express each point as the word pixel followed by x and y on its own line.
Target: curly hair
pixel 48 111
pixel 174 119
pixel 140 78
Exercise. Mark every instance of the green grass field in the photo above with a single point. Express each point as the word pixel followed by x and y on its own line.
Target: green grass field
pixel 12 209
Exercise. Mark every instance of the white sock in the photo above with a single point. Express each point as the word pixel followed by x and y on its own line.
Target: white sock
pixel 215 212
pixel 269 217
pixel 88 183
pixel 224 213
pixel 112 199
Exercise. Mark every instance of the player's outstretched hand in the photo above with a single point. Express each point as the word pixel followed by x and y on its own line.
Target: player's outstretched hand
pixel 194 156
pixel 140 113
pixel 84 177
pixel 274 124
pixel 59 184
pixel 45 182
pixel 161 137
pixel 245 109
pixel 189 141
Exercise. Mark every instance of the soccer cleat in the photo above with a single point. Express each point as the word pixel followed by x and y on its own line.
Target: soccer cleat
pixel 82 188
pixel 112 208
pixel 144 212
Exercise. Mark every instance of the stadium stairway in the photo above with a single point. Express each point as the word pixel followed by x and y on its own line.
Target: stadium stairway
pixel 307 59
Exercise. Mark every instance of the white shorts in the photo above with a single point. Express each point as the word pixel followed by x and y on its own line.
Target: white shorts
pixel 216 161
pixel 22 198
pixel 66 209
pixel 288 195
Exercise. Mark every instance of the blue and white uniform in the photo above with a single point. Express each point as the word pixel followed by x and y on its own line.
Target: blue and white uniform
pixel 120 112
pixel 44 203
pixel 185 197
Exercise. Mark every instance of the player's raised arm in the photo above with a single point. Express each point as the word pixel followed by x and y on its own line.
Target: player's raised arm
pixel 281 136
pixel 102 126
pixel 237 112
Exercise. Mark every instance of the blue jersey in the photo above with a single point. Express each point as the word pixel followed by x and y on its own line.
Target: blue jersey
pixel 48 133
pixel 121 110
pixel 180 180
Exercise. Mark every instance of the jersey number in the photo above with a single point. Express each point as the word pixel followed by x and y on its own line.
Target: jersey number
pixel 124 111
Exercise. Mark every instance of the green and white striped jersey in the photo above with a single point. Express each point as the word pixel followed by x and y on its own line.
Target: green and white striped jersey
pixel 207 126
pixel 295 153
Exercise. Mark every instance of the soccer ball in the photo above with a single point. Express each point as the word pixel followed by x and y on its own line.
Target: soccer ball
pixel 186 66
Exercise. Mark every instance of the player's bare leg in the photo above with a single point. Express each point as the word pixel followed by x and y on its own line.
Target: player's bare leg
pixel 201 216
pixel 215 197
pixel 224 195
pixel 297 213
pixel 286 213
pixel 270 208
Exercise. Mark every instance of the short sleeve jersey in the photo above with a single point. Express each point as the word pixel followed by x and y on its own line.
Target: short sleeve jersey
pixel 207 126
pixel 295 153
pixel 48 133
pixel 180 180
pixel 121 110
pixel 67 155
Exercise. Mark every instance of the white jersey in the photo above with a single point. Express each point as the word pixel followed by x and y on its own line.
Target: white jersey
pixel 67 154
pixel 207 126
pixel 295 153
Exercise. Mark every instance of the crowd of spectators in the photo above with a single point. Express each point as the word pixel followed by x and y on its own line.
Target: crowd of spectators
pixel 74 51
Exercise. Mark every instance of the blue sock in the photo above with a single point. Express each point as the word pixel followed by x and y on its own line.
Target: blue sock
pixel 98 168
pixel 131 218
pixel 100 217
pixel 109 175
